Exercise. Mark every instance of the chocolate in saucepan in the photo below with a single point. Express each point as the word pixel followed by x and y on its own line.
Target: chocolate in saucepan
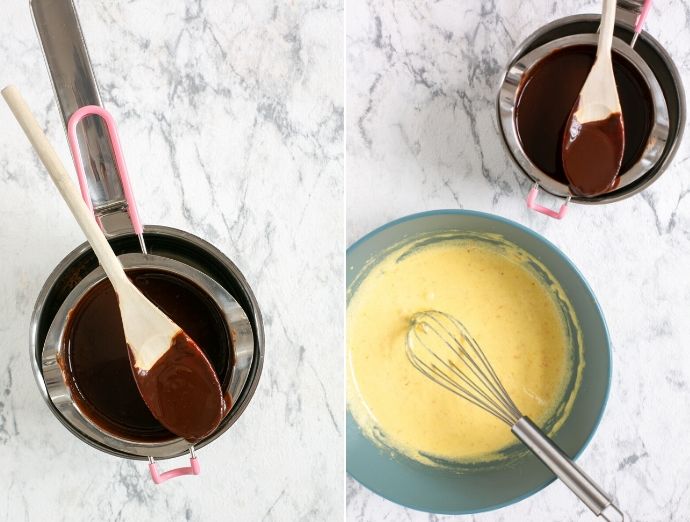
pixel 546 97
pixel 95 359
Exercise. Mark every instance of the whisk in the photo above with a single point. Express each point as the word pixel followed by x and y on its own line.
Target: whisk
pixel 441 348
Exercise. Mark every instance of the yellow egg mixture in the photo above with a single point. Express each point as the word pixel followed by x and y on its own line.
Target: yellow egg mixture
pixel 510 312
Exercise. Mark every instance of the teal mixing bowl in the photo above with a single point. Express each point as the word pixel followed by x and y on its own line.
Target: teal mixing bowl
pixel 446 490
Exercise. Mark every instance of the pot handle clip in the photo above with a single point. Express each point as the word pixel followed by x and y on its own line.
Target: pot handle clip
pixel 639 22
pixel 96 110
pixel 192 469
pixel 533 205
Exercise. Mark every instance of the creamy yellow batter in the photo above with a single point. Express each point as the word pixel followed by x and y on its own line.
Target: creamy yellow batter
pixel 511 313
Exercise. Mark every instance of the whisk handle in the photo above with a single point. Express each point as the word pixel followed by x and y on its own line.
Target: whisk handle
pixel 566 470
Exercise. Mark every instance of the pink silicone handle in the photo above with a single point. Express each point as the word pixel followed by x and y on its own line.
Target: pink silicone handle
pixel 79 115
pixel 639 23
pixel 532 204
pixel 159 478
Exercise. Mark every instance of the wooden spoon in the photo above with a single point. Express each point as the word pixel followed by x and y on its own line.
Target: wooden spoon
pixel 174 377
pixel 594 141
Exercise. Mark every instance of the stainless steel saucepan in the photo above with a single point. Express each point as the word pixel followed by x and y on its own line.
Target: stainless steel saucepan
pixel 170 250
pixel 648 58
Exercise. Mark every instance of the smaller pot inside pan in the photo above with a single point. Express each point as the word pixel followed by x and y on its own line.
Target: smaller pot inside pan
pixel 540 77
pixel 85 365
pixel 94 359
pixel 549 91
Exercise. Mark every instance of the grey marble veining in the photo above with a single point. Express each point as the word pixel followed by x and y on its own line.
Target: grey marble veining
pixel 422 134
pixel 231 116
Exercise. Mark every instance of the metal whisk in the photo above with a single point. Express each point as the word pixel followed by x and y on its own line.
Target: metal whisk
pixel 442 349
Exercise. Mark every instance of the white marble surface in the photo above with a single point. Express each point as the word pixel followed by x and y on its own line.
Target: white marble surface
pixel 231 118
pixel 422 135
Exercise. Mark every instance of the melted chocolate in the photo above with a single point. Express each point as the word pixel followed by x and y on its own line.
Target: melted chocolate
pixel 182 391
pixel 592 154
pixel 95 358
pixel 546 97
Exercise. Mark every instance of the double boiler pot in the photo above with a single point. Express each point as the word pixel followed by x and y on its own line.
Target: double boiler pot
pixel 165 255
pixel 646 65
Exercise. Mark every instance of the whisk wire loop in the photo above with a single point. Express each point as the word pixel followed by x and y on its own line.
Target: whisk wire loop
pixel 441 348
pixel 440 366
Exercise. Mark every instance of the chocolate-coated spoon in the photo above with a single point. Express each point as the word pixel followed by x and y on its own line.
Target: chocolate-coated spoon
pixel 174 377
pixel 593 141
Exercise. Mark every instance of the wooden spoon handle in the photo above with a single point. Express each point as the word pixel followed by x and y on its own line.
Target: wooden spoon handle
pixel 608 21
pixel 67 188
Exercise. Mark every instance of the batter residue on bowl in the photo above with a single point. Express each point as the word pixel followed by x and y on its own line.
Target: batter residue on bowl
pixel 507 300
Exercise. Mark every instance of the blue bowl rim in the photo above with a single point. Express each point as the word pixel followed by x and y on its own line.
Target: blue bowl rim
pixel 554 248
